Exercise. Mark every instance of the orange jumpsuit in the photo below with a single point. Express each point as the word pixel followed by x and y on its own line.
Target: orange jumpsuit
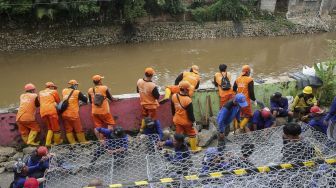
pixel 48 100
pixel 183 123
pixel 225 95
pixel 101 115
pixel 148 102
pixel 193 79
pixel 242 84
pixel 70 116
pixel 25 118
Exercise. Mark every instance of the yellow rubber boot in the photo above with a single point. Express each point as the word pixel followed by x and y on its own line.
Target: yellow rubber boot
pixel 57 139
pixel 143 125
pixel 31 138
pixel 71 138
pixel 243 123
pixel 81 138
pixel 48 138
pixel 236 125
pixel 24 138
pixel 193 145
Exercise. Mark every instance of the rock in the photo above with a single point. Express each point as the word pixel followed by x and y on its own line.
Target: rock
pixel 7 151
pixel 3 159
pixel 2 169
pixel 9 166
pixel 28 150
pixel 281 121
pixel 206 136
pixel 17 156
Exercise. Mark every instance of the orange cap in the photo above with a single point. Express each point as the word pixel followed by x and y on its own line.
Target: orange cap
pixel 246 69
pixel 195 69
pixel 73 82
pixel 97 77
pixel 150 71
pixel 50 84
pixel 184 85
pixel 29 87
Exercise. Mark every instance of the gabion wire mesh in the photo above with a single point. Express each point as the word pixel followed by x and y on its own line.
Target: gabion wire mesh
pixel 255 159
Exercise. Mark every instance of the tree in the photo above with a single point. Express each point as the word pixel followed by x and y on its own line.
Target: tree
pixel 133 9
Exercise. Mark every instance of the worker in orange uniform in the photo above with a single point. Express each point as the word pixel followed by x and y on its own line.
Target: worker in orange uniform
pixel 191 76
pixel 222 80
pixel 244 84
pixel 49 99
pixel 182 110
pixel 25 118
pixel 98 97
pixel 149 95
pixel 70 116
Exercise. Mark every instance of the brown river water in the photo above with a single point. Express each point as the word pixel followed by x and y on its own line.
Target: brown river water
pixel 123 64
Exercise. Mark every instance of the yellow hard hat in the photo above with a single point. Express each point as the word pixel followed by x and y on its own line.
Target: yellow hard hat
pixel 73 82
pixel 308 90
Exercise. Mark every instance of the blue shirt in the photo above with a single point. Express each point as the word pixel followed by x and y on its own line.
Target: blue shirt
pixel 181 153
pixel 36 166
pixel 332 112
pixel 318 123
pixel 282 103
pixel 155 130
pixel 19 181
pixel 227 114
pixel 112 141
pixel 260 121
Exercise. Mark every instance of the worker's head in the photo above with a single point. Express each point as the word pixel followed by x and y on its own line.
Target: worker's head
pixel 95 182
pixel 266 113
pixel 20 167
pixel 178 140
pixel 277 96
pixel 31 183
pixel 291 131
pixel 246 70
pixel 97 79
pixel 149 122
pixel 222 67
pixel 194 69
pixel 184 87
pixel 73 84
pixel 149 72
pixel 30 88
pixel 42 151
pixel 118 132
pixel 316 111
pixel 50 85
pixel 240 99
pixel 247 150
pixel 307 91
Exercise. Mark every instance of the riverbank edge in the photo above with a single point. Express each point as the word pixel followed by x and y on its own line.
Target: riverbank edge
pixel 23 39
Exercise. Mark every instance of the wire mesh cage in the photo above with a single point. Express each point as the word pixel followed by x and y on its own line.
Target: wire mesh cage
pixel 255 159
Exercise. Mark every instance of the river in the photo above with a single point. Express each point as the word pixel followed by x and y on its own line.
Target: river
pixel 123 64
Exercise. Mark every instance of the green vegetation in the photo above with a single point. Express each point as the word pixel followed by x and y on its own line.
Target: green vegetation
pixel 84 12
pixel 327 71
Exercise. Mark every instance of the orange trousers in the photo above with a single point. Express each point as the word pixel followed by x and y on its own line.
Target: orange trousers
pixel 102 120
pixel 186 129
pixel 26 126
pixel 72 124
pixel 52 122
pixel 148 112
pixel 225 99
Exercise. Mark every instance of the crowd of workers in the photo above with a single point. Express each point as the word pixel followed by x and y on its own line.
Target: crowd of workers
pixel 235 102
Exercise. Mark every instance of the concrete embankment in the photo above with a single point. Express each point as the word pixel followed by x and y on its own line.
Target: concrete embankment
pixel 20 39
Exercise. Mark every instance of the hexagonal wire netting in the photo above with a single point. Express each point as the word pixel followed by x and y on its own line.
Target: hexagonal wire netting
pixel 255 159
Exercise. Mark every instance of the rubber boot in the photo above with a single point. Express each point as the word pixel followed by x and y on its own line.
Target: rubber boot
pixel 24 138
pixel 243 123
pixel 193 145
pixel 235 126
pixel 290 119
pixel 142 126
pixel 31 138
pixel 81 138
pixel 57 139
pixel 71 138
pixel 166 97
pixel 48 138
